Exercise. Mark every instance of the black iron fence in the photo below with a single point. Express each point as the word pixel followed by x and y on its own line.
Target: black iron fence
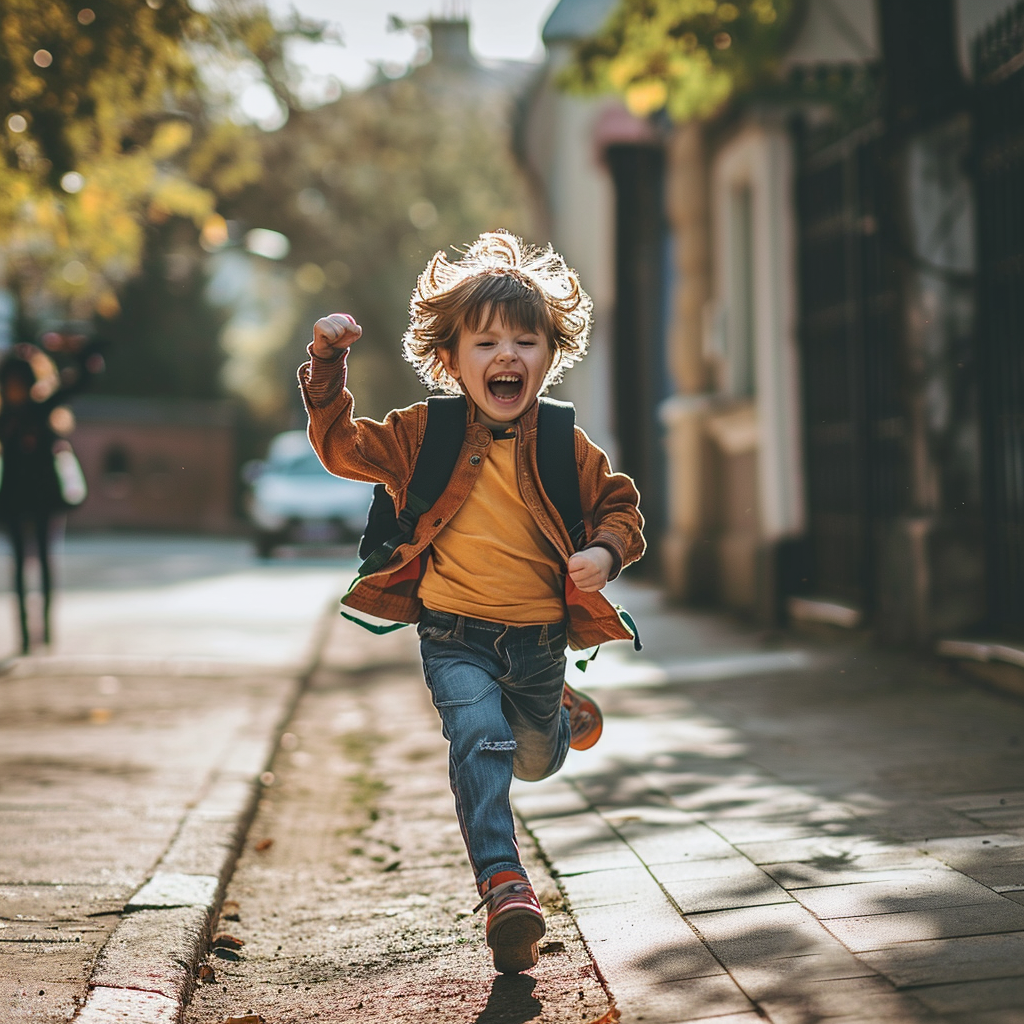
pixel 999 126
pixel 849 341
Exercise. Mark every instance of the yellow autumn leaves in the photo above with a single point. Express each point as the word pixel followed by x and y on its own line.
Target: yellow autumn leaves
pixel 683 57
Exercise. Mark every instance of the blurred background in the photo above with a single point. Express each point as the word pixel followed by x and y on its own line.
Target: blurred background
pixel 801 221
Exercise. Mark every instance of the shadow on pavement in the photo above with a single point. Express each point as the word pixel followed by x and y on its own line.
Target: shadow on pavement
pixel 511 1001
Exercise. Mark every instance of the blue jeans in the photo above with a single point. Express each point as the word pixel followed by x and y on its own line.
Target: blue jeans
pixel 498 690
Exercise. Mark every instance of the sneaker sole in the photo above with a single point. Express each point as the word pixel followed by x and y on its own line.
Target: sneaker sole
pixel 594 711
pixel 513 940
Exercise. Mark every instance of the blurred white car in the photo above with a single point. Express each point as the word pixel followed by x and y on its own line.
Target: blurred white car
pixel 294 500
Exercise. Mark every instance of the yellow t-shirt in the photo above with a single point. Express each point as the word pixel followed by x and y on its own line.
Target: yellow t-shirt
pixel 491 561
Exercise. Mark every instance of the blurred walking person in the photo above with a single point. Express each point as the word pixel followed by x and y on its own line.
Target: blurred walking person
pixel 40 477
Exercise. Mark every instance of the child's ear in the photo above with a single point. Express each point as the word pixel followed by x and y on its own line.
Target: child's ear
pixel 449 360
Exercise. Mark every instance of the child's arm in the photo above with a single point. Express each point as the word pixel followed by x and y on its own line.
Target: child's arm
pixel 611 512
pixel 360 449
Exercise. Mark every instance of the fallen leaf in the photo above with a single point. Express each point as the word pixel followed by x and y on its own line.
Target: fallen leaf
pixel 222 940
pixel 246 1018
pixel 206 974
pixel 262 844
pixel 609 1018
pixel 552 947
pixel 230 911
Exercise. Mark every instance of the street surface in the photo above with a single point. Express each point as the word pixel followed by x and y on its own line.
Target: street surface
pixel 792 828
pixel 141 708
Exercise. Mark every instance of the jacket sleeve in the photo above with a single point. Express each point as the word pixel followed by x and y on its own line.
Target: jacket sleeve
pixel 611 505
pixel 358 448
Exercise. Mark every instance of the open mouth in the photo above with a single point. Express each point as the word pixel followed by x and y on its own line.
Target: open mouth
pixel 506 387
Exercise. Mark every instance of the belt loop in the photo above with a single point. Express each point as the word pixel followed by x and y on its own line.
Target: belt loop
pixel 460 628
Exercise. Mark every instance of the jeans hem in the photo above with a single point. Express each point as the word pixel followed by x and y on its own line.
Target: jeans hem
pixel 495 868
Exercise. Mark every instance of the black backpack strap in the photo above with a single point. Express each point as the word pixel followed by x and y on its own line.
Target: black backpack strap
pixel 556 461
pixel 435 463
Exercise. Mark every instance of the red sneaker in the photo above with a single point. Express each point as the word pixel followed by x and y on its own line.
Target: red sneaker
pixel 585 719
pixel 515 922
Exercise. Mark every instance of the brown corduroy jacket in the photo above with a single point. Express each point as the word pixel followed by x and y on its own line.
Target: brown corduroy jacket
pixel 385 452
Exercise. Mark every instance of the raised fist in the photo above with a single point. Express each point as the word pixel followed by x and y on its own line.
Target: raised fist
pixel 333 334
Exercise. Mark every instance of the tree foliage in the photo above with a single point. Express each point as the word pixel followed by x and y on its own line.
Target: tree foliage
pixel 106 128
pixel 683 57
pixel 367 189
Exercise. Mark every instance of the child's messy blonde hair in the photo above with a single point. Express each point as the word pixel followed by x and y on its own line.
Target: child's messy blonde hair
pixel 532 289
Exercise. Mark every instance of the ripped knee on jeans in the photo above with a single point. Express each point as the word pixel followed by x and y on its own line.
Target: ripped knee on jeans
pixel 498 744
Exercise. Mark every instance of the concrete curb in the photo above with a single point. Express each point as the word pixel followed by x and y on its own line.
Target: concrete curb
pixel 146 971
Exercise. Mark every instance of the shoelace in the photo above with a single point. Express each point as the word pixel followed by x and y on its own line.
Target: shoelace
pixel 499 892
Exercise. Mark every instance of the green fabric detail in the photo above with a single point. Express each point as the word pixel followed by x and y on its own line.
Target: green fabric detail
pixel 373 627
pixel 375 560
pixel 627 621
pixel 584 662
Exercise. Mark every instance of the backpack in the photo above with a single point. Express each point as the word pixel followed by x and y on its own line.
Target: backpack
pixel 387 530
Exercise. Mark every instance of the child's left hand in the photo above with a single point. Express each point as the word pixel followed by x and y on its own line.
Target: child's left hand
pixel 589 569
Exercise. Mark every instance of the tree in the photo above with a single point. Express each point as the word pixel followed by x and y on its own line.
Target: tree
pixel 366 189
pixel 683 57
pixel 108 128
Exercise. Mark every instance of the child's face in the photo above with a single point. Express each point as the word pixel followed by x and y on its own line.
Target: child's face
pixel 502 368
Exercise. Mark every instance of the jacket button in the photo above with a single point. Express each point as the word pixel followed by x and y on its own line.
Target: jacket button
pixel 437 522
pixel 474 460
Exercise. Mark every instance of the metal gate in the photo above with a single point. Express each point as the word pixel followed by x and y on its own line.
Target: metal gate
pixel 999 70
pixel 850 354
pixel 639 363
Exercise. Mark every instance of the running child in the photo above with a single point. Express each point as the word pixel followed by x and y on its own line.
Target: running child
pixel 490 574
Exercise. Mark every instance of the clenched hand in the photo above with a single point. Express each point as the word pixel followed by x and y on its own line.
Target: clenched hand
pixel 333 334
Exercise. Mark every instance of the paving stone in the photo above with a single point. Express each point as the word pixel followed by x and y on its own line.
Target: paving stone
pixel 155 950
pixel 826 848
pixel 881 930
pixel 740 831
pixel 864 1000
pixel 1008 1016
pixel 649 939
pixel 125 1006
pixel 971 958
pixel 606 858
pixel 759 935
pixel 729 1018
pixel 846 870
pixel 734 867
pixel 983 801
pixel 171 889
pixel 676 1002
pixel 611 888
pixel 929 889
pixel 664 843
pixel 748 888
pixel 574 834
pixel 1001 997
pixel 991 847
pixel 548 799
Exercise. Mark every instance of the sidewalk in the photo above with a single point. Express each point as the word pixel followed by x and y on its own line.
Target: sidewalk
pixel 772 828
pixel 817 831
pixel 353 896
